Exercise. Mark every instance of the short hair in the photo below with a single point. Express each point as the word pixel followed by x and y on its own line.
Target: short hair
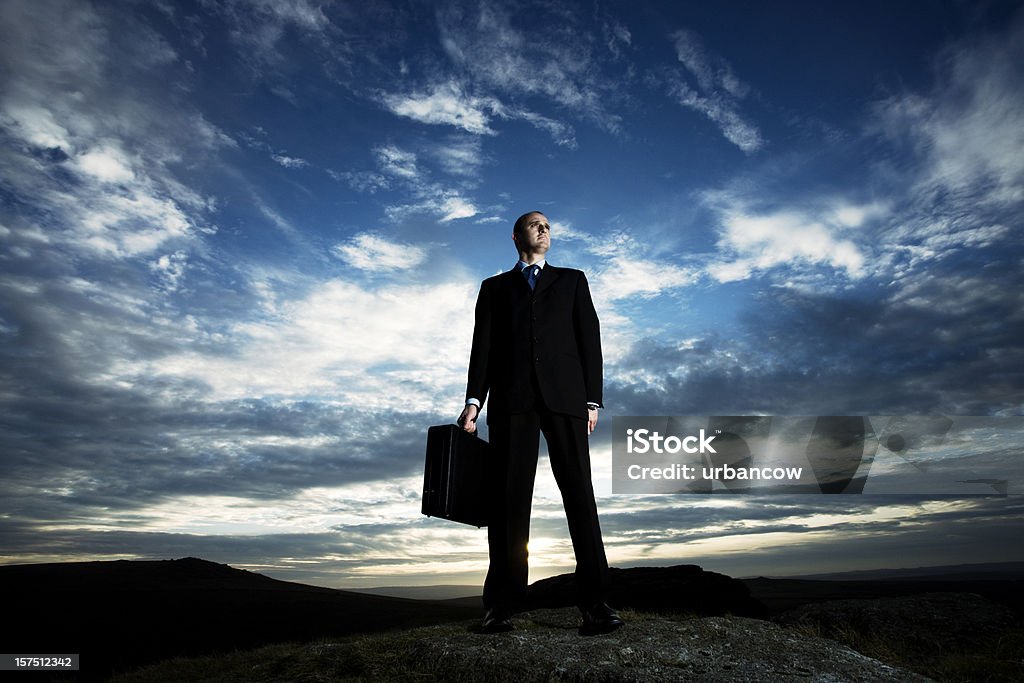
pixel 521 221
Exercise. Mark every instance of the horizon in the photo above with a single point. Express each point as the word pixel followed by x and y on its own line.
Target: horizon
pixel 928 569
pixel 241 241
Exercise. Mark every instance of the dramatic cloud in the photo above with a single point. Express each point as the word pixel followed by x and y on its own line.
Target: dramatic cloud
pixel 95 156
pixel 966 191
pixel 970 126
pixel 342 341
pixel 240 245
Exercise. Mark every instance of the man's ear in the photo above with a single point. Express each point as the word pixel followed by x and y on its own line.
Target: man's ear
pixel 515 238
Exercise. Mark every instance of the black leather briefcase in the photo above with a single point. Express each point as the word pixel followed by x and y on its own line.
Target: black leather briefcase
pixel 454 480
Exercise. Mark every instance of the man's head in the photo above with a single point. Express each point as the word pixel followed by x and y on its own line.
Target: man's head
pixel 532 234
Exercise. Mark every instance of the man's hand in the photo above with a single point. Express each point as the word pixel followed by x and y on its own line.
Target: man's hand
pixel 468 418
pixel 591 420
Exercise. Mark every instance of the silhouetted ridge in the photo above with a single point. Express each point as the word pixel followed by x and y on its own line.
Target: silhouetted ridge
pixel 123 613
pixel 184 574
pixel 781 595
pixel 683 588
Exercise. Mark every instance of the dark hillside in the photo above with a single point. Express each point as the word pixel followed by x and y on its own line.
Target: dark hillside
pixel 119 615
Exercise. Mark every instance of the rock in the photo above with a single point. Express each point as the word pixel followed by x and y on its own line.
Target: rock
pixel 684 588
pixel 546 647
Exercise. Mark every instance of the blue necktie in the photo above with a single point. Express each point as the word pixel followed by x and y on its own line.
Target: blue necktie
pixel 530 273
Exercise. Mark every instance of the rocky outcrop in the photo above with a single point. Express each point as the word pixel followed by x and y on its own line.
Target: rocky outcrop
pixel 682 589
pixel 545 647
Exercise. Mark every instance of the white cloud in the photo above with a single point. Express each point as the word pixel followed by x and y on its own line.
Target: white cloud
pixel 962 185
pixel 110 211
pixel 854 215
pixel 563 230
pixel 758 242
pixel 106 164
pixel 170 269
pixel 115 137
pixel 372 252
pixel 718 91
pixel 362 181
pixel 970 129
pixel 612 244
pixel 430 197
pixel 289 162
pixel 397 162
pixel 346 344
pixel 259 25
pixel 555 59
pixel 490 54
pixel 446 205
pixel 457 207
pixel 446 104
pixel 723 113
pixel 631 278
pixel 37 126
pixel 274 216
pixel 302 13
pixel 616 35
pixel 562 133
pixel 460 156
pixel 208 135
pixel 712 72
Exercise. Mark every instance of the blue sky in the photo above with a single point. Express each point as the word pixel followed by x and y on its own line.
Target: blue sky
pixel 240 244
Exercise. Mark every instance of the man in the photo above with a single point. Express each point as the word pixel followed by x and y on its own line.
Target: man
pixel 537 351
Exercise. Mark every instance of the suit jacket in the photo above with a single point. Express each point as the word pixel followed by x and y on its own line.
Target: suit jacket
pixel 552 330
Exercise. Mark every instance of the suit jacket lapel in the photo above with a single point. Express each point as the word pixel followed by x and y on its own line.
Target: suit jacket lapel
pixel 548 275
pixel 517 282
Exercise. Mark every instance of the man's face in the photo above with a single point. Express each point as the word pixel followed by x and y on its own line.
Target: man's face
pixel 535 237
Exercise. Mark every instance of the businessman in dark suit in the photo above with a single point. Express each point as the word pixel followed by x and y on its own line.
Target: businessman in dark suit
pixel 537 357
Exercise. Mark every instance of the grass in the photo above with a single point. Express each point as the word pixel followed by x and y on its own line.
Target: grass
pixel 1001 661
pixel 375 657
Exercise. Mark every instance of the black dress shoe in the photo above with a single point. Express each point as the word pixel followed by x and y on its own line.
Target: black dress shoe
pixel 599 618
pixel 497 620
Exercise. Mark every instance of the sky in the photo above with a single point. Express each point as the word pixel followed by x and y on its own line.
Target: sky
pixel 241 241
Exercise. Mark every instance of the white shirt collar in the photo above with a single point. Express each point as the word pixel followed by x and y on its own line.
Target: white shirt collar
pixel 523 264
